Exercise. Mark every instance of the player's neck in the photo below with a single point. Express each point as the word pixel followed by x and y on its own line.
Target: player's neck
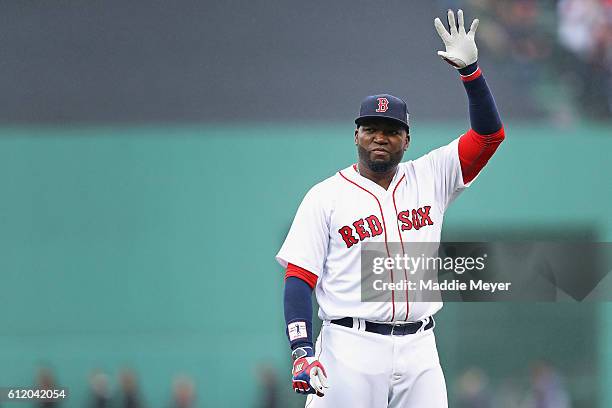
pixel 382 179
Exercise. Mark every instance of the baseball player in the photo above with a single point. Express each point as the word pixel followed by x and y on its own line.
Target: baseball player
pixel 380 354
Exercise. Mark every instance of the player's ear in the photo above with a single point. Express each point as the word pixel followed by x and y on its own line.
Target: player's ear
pixel 356 133
pixel 407 141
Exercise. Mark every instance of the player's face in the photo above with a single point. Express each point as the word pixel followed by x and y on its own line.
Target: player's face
pixel 381 144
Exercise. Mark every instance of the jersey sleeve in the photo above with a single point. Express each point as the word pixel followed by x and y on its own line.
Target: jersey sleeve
pixel 444 165
pixel 308 238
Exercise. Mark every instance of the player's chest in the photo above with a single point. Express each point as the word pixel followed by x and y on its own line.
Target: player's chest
pixel 401 214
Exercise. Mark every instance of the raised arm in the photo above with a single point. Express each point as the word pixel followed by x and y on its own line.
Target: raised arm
pixel 480 142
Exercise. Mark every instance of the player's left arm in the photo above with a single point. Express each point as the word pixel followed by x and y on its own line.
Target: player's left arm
pixel 479 143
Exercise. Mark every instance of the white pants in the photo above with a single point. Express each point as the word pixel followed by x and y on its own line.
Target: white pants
pixel 369 370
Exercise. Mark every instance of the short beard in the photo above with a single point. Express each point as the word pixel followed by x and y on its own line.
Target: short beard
pixel 379 166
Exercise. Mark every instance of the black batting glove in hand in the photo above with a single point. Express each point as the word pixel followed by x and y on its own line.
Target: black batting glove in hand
pixel 461 49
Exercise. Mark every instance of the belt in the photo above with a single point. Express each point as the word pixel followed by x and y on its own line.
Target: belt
pixel 394 329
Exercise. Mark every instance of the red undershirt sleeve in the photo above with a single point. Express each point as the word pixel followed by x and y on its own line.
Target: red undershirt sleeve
pixel 301 273
pixel 475 150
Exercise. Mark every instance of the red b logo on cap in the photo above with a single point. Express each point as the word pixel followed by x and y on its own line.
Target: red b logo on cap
pixel 383 105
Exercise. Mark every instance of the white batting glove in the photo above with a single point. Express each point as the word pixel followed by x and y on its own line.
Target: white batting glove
pixel 461 49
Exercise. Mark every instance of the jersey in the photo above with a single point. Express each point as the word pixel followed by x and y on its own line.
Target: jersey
pixel 346 210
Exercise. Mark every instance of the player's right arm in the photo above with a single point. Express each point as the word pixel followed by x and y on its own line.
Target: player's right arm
pixel 308 374
pixel 303 255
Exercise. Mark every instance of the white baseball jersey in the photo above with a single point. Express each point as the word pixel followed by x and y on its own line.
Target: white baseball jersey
pixel 340 213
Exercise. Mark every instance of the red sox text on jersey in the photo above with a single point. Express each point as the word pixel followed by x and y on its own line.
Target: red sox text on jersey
pixel 416 218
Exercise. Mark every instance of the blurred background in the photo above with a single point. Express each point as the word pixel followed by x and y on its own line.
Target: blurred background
pixel 153 154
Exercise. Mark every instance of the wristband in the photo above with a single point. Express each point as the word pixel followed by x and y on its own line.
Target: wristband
pixel 302 352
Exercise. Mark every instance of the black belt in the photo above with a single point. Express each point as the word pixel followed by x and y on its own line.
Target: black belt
pixel 397 329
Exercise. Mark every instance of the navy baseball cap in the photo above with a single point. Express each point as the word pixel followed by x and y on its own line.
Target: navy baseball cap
pixel 384 106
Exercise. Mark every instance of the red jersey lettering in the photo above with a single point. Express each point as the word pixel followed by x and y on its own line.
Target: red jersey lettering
pixel 347 235
pixel 363 234
pixel 375 225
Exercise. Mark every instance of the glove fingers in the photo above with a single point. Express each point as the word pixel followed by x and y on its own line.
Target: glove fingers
pixel 451 22
pixel 315 382
pixel 460 21
pixel 323 379
pixel 444 35
pixel 473 28
pixel 318 381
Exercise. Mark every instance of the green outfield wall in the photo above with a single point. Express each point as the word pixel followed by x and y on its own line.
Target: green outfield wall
pixel 153 247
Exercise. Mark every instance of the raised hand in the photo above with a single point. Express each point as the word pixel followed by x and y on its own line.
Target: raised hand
pixel 461 49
